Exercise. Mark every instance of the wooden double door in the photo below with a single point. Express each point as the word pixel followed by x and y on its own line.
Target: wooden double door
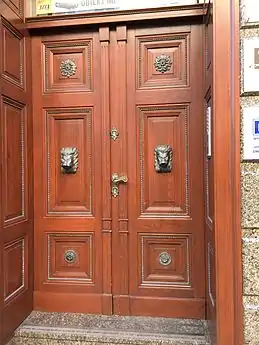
pixel 118 166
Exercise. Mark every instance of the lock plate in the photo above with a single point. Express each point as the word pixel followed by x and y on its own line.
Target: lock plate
pixel 114 134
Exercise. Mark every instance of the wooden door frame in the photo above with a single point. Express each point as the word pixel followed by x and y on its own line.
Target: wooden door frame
pixel 228 247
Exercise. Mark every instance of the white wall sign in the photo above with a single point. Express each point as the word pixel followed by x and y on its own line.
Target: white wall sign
pixel 251 133
pixel 251 11
pixel 59 6
pixel 251 64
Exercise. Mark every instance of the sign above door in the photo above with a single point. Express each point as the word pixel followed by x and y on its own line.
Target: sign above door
pixel 76 6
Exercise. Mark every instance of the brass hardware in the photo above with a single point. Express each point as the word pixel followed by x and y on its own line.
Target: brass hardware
pixel 68 68
pixel 114 134
pixel 163 63
pixel 165 259
pixel 115 182
pixel 70 256
pixel 69 160
pixel 163 157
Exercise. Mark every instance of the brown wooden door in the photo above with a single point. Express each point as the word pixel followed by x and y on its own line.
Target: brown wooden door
pixel 69 241
pixel 158 251
pixel 140 251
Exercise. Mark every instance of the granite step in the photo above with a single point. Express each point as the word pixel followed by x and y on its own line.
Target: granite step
pixel 82 329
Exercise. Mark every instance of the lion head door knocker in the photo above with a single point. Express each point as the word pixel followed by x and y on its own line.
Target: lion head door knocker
pixel 69 160
pixel 163 156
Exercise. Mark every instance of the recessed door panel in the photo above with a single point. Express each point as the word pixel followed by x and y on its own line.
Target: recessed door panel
pixel 15 145
pixel 163 60
pixel 163 146
pixel 69 158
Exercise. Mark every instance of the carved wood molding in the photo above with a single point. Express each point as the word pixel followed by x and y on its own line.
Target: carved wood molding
pixel 12 109
pixel 18 47
pixel 18 10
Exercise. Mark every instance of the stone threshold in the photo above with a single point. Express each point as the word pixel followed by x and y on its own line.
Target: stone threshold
pixel 70 328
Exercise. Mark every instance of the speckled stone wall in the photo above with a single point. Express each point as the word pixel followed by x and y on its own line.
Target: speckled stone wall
pixel 250 207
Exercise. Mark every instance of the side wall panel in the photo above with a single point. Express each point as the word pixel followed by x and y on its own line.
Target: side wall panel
pixel 16 231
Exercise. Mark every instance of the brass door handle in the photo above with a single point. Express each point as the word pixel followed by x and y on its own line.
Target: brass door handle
pixel 116 180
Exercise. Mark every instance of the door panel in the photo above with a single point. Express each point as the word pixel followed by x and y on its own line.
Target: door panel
pixel 68 164
pixel 16 178
pixel 70 129
pixel 163 195
pixel 166 232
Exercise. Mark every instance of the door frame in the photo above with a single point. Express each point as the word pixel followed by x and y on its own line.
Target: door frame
pixel 228 246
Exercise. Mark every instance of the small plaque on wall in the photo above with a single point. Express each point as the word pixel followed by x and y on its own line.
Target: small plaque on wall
pixel 251 11
pixel 251 65
pixel 43 7
pixel 251 133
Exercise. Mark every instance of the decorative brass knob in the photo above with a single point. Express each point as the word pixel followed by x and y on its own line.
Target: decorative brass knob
pixel 70 256
pixel 165 259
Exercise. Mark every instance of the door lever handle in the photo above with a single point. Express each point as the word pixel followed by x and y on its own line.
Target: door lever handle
pixel 116 180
